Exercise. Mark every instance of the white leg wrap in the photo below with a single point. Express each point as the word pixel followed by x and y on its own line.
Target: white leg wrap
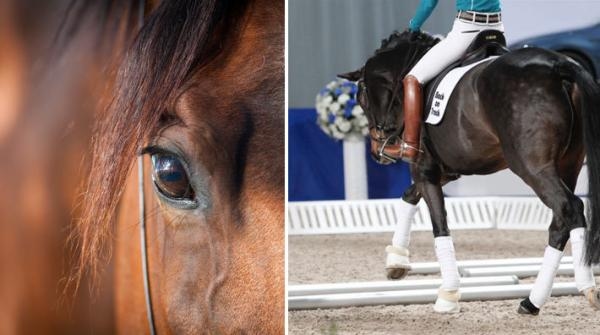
pixel 543 283
pixel 447 301
pixel 444 250
pixel 584 277
pixel 397 258
pixel 406 214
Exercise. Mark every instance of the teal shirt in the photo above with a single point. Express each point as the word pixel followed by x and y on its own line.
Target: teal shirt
pixel 426 8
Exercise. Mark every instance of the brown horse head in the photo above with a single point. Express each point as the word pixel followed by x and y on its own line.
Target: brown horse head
pixel 200 94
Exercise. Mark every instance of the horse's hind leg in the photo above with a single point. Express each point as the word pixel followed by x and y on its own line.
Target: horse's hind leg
pixel 584 276
pixel 568 215
pixel 398 262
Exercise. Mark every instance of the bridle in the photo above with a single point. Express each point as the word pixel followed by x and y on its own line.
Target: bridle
pixel 384 143
pixel 142 212
pixel 144 249
pixel 390 142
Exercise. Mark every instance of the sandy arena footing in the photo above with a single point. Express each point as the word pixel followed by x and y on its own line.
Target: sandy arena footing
pixel 361 257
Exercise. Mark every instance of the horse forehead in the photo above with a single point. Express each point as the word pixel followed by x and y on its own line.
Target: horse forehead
pixel 205 105
pixel 379 90
pixel 229 86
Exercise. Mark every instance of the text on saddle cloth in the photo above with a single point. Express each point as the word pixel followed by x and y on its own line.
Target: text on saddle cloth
pixel 444 90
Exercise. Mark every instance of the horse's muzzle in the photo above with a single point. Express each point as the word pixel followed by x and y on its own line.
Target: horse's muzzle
pixel 386 150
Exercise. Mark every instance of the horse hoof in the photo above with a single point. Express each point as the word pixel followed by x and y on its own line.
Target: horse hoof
pixel 444 306
pixel 397 263
pixel 527 308
pixel 447 301
pixel 396 273
pixel 593 297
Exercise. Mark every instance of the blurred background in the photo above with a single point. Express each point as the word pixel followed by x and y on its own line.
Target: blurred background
pixel 336 36
pixel 56 61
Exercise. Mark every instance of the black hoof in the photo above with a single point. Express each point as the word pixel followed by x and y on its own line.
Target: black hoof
pixel 526 307
pixel 396 273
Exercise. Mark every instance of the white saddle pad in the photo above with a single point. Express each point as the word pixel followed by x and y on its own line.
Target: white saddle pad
pixel 444 91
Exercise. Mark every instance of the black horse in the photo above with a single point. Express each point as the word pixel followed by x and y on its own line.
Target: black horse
pixel 534 111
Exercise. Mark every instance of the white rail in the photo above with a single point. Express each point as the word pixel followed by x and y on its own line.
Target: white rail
pixel 362 216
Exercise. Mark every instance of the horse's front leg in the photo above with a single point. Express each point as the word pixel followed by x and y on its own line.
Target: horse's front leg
pixel 429 183
pixel 398 262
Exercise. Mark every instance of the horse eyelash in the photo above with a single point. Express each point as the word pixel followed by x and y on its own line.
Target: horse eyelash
pixel 151 150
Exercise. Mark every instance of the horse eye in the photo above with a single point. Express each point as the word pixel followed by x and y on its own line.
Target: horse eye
pixel 170 177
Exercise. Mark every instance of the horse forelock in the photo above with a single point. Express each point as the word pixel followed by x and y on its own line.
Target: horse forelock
pixel 177 39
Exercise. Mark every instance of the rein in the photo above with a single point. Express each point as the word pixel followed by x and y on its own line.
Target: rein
pixel 142 212
pixel 144 249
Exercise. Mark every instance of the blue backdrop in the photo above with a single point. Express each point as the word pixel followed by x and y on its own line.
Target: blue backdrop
pixel 316 167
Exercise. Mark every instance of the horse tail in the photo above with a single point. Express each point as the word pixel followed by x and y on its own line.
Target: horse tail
pixel 590 107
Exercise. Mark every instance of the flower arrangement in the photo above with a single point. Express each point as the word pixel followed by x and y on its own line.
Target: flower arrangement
pixel 338 113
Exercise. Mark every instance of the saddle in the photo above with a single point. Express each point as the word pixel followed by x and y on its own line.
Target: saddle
pixel 486 44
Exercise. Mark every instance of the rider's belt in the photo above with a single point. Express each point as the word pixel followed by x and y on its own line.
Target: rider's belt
pixel 480 17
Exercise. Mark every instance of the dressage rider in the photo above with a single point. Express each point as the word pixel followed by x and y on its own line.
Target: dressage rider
pixel 473 16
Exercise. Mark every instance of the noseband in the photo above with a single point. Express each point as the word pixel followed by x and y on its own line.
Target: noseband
pixel 386 144
pixel 144 249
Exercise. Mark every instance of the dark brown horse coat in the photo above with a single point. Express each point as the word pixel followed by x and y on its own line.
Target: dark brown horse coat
pixel 531 110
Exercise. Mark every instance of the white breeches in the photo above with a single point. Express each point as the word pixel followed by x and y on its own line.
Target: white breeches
pixel 450 49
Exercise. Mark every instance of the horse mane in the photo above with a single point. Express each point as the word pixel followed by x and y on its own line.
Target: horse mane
pixel 423 39
pixel 176 39
pixel 405 49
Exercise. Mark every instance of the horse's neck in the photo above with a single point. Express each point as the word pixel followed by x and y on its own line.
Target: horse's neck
pixel 412 55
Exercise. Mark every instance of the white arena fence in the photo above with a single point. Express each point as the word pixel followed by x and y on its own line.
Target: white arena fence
pixel 364 216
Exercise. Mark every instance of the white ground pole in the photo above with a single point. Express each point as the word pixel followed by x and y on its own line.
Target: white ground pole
pixel 425 296
pixel 584 277
pixel 465 267
pixel 543 282
pixel 393 285
pixel 355 168
pixel 521 271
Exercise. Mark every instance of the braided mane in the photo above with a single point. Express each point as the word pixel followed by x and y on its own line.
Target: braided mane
pixel 402 50
pixel 396 38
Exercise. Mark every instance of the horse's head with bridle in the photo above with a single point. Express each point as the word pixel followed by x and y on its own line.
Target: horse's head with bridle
pixel 380 90
pixel 199 96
